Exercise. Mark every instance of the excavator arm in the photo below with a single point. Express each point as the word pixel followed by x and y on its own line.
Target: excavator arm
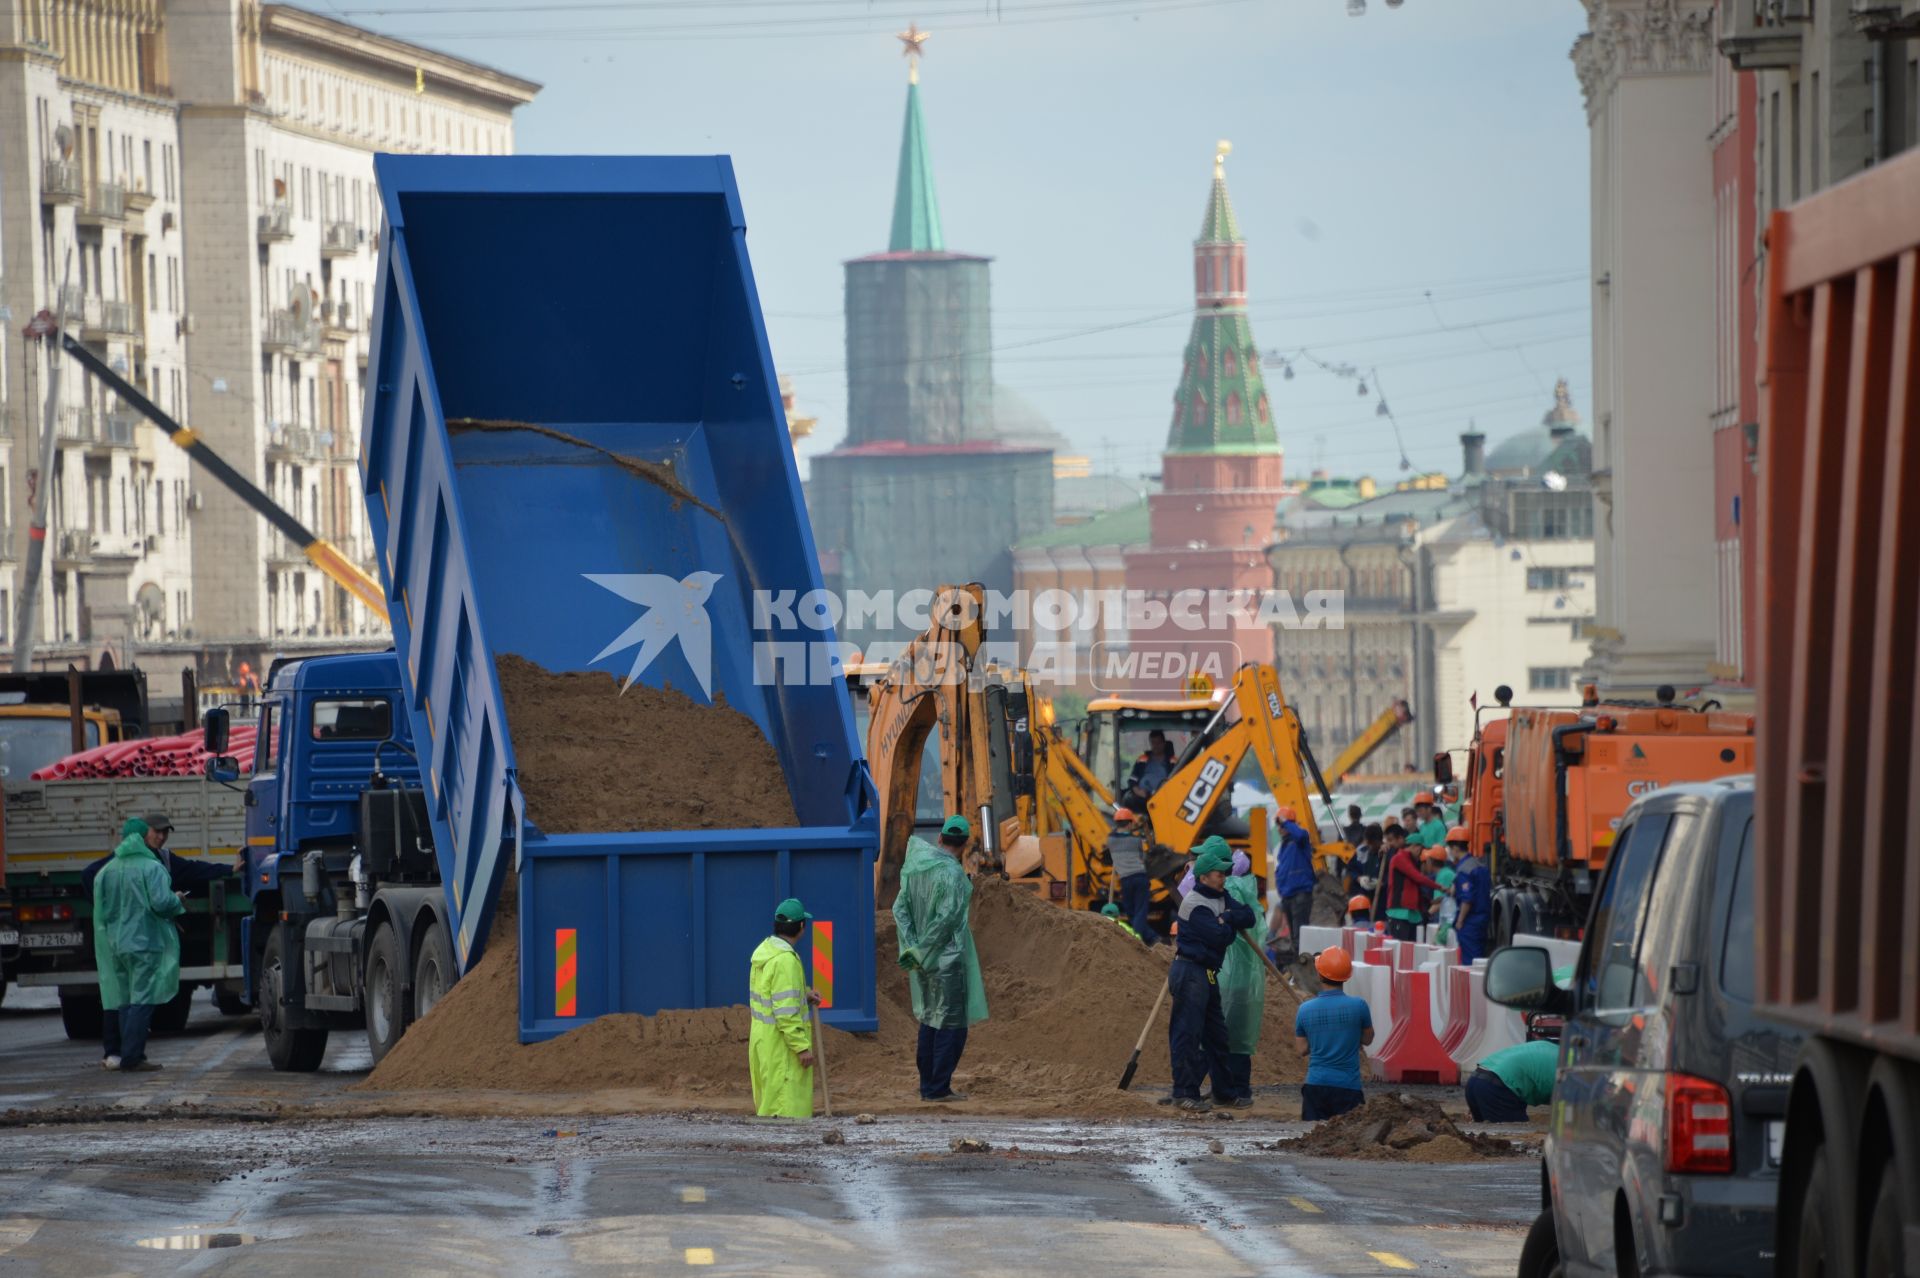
pixel 1375 735
pixel 933 683
pixel 1255 718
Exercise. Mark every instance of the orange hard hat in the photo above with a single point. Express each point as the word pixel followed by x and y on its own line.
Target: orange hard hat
pixel 1334 965
pixel 1433 854
pixel 1286 813
pixel 1123 815
pixel 1380 926
pixel 1458 834
pixel 1425 796
pixel 1359 904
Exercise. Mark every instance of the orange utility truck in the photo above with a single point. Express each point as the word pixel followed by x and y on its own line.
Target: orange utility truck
pixel 1546 786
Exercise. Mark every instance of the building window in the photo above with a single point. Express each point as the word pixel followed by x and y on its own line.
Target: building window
pixel 1549 678
pixel 1233 403
pixel 1261 408
pixel 1228 364
pixel 1547 578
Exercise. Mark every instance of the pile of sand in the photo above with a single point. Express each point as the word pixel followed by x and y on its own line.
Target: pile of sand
pixel 592 758
pixel 1398 1128
pixel 1067 993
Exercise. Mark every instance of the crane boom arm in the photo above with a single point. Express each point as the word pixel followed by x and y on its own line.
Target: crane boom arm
pixel 322 553
pixel 1371 738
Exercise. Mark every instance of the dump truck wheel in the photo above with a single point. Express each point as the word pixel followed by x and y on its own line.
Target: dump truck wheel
pixel 433 971
pixel 1540 1254
pixel 386 997
pixel 80 1015
pixel 229 1002
pixel 295 1050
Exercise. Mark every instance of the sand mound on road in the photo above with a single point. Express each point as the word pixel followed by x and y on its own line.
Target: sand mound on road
pixel 1398 1128
pixel 1066 992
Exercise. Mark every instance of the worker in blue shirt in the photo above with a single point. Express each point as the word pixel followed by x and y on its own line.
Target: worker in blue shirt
pixel 1473 890
pixel 1293 876
pixel 1210 921
pixel 1329 1030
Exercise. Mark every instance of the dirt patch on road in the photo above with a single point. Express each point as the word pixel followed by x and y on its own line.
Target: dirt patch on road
pixel 594 759
pixel 1398 1128
pixel 1066 995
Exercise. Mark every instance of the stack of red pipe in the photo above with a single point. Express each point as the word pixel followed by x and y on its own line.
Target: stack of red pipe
pixel 181 756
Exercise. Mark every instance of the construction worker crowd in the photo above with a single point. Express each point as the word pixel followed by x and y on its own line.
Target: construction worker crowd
pixel 1400 876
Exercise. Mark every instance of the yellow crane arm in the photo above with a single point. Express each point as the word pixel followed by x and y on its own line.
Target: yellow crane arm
pixel 1266 725
pixel 348 575
pixel 1375 735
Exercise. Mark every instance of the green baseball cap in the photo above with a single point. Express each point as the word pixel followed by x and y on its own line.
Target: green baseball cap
pixel 1214 845
pixel 956 825
pixel 1208 862
pixel 791 911
pixel 1111 910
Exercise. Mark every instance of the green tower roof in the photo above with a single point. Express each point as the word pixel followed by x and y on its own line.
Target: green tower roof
pixel 916 214
pixel 1221 404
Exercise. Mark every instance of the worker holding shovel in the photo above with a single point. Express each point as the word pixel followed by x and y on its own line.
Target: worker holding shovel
pixel 1210 922
pixel 780 1042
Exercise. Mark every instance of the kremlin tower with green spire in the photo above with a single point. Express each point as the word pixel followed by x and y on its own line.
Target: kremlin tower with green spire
pixel 924 488
pixel 1213 517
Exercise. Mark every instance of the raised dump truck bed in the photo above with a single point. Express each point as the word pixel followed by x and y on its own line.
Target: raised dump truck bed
pixel 635 432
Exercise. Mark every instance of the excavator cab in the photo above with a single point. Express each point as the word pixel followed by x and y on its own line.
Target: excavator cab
pixel 1118 731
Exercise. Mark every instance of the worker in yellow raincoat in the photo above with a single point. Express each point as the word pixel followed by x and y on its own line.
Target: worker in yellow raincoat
pixel 780 1044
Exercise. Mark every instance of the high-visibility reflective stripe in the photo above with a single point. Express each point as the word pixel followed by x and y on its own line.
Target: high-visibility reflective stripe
pixel 565 986
pixel 764 1019
pixel 777 995
pixel 823 961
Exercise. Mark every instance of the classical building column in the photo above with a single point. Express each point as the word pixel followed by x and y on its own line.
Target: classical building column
pixel 1645 67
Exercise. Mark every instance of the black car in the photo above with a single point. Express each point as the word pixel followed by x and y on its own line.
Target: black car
pixel 1663 1152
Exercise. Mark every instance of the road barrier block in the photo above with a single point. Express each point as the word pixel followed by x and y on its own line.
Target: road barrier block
pixel 1412 1052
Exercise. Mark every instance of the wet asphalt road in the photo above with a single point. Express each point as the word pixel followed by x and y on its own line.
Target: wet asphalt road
pixel 680 1193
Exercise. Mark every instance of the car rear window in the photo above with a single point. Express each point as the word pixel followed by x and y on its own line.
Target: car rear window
pixel 1736 950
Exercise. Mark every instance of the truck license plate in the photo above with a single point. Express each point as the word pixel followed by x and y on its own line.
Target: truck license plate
pixel 1776 1141
pixel 9 937
pixel 50 940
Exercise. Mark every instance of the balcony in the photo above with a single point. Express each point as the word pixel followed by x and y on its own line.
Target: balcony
pixel 341 239
pixel 139 198
pixel 106 319
pixel 106 205
pixel 98 430
pixel 1760 35
pixel 276 224
pixel 296 443
pixel 61 183
pixel 73 547
pixel 70 304
pixel 289 332
pixel 337 319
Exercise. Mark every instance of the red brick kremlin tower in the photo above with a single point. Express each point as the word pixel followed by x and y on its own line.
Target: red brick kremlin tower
pixel 1220 475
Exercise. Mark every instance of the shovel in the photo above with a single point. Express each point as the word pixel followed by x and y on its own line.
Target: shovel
pixel 820 1056
pixel 1133 1062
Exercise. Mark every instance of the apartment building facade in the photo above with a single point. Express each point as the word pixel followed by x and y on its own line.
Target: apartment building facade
pixel 196 181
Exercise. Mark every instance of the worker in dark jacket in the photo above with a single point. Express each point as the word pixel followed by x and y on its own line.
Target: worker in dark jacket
pixel 1210 921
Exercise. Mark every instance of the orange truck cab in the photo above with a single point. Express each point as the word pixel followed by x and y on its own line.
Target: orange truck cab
pixel 1546 787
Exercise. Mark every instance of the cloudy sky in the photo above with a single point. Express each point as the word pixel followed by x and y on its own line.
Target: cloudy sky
pixel 1412 185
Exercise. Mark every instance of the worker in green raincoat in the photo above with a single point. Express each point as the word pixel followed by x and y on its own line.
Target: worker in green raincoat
pixel 936 949
pixel 135 944
pixel 780 1043
pixel 1243 997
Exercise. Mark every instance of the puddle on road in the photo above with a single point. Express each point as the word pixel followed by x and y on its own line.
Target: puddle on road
pixel 196 1242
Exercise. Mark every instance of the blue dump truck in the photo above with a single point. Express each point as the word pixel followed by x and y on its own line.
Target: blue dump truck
pixel 574 463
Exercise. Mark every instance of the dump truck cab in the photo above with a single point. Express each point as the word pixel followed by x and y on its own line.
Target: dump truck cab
pixel 33 737
pixel 338 860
